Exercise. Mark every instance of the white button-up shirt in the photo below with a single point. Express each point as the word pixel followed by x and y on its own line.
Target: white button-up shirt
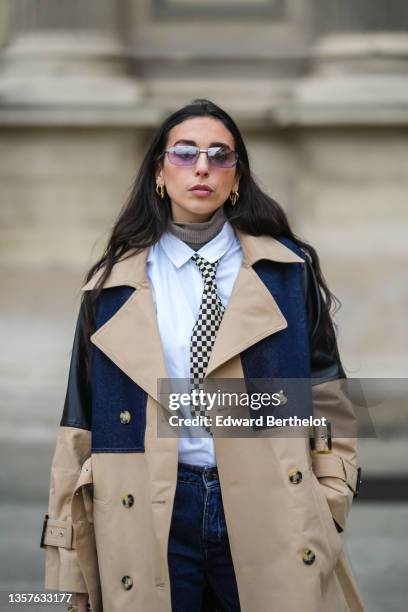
pixel 177 287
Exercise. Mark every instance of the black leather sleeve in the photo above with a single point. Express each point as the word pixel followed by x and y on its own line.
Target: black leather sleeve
pixel 325 358
pixel 77 406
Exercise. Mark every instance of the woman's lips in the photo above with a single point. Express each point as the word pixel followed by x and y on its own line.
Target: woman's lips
pixel 202 193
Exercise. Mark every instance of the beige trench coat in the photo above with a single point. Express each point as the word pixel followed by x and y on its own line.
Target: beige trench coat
pixel 92 540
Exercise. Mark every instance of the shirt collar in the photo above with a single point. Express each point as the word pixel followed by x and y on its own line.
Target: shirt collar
pixel 130 270
pixel 179 252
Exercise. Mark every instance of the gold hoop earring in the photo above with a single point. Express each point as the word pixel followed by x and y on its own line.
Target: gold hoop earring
pixel 234 196
pixel 160 190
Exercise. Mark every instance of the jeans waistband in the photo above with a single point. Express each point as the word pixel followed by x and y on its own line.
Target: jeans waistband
pixel 198 472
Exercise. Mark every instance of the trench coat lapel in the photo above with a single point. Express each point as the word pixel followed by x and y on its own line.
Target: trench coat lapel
pixel 252 313
pixel 131 338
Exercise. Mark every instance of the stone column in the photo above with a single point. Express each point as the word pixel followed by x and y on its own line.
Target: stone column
pixel 361 16
pixel 68 153
pixel 66 52
pixel 351 109
pixel 34 15
pixel 368 36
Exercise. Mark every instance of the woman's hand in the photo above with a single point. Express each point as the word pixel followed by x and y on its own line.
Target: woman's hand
pixel 80 602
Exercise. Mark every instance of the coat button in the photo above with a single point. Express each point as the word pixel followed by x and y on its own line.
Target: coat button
pixel 125 417
pixel 128 500
pixel 295 476
pixel 282 398
pixel 308 556
pixel 127 582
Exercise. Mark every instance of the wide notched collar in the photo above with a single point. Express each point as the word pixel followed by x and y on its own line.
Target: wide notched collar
pixel 264 247
pixel 131 269
pixel 131 338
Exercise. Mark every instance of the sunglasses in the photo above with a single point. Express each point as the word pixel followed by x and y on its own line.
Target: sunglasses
pixel 187 155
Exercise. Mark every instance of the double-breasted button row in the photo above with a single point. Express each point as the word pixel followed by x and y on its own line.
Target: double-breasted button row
pixel 128 500
pixel 125 417
pixel 127 582
pixel 295 477
pixel 308 556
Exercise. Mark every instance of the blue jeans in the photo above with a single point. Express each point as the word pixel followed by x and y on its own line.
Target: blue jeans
pixel 201 571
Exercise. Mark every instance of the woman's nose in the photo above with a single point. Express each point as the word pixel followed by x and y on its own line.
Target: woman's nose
pixel 202 164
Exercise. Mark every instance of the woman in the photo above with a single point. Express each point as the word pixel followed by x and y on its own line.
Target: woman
pixel 202 280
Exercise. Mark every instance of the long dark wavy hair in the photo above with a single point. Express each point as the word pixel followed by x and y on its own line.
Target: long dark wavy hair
pixel 145 216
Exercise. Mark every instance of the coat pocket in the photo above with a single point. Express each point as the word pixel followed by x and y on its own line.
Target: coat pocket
pixel 84 489
pixel 338 477
pixel 329 527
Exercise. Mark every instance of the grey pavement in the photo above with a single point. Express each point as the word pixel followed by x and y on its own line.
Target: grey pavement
pixel 376 540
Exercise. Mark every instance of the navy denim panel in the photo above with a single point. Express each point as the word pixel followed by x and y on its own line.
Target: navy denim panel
pixel 113 391
pixel 286 353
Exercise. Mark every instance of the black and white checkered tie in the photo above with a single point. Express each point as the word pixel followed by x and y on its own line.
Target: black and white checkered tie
pixel 205 329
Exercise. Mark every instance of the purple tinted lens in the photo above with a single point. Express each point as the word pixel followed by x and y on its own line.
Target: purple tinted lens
pixel 222 158
pixel 183 156
pixel 187 155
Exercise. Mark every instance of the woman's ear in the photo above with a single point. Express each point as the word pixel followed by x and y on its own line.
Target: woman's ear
pixel 159 173
pixel 235 186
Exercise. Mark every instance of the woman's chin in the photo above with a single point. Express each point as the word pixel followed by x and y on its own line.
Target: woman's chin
pixel 195 210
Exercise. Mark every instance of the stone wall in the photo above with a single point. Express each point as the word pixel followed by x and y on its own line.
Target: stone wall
pixel 321 93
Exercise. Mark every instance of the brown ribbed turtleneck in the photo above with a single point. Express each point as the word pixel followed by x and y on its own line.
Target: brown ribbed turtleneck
pixel 198 234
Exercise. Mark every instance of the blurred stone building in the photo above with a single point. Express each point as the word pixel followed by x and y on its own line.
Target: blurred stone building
pixel 320 90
